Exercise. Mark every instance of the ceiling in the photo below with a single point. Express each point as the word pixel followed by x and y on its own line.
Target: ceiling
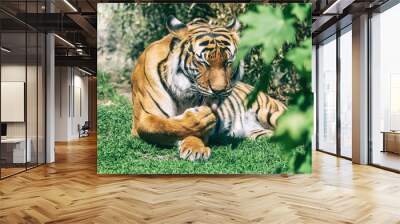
pixel 73 21
pixel 331 15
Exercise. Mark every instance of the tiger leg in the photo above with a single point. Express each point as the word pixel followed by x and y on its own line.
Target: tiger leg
pixel 195 122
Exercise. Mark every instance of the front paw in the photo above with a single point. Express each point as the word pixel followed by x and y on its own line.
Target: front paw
pixel 199 120
pixel 193 148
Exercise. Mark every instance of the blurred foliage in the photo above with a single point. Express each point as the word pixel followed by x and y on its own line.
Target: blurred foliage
pixel 273 30
pixel 106 91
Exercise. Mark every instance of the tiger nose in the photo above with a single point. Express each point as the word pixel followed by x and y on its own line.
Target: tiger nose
pixel 218 89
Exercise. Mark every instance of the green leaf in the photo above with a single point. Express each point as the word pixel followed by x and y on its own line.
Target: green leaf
pixel 269 28
pixel 295 127
pixel 301 56
pixel 302 11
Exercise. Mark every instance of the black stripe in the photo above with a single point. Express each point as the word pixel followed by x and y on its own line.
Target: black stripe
pixel 147 78
pixel 140 91
pixel 258 134
pixel 223 48
pixel 232 111
pixel 241 90
pixel 211 35
pixel 260 102
pixel 145 73
pixel 235 90
pixel 269 114
pixel 185 61
pixel 257 131
pixel 238 101
pixel 140 102
pixel 200 26
pixel 237 112
pixel 227 43
pixel 199 31
pixel 225 114
pixel 158 105
pixel 220 30
pixel 204 43
pixel 207 49
pixel 163 82
pixel 172 44
pixel 267 98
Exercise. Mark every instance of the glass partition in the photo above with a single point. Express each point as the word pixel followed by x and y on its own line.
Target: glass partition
pixel 346 92
pixel 385 89
pixel 22 77
pixel 32 95
pixel 41 97
pixel 14 151
pixel 327 95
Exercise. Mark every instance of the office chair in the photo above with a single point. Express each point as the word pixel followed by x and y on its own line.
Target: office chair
pixel 84 130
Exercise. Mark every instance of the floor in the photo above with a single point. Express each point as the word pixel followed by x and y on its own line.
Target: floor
pixel 70 191
pixel 8 171
pixel 387 159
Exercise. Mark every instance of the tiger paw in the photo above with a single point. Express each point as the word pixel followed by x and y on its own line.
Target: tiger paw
pixel 193 148
pixel 199 121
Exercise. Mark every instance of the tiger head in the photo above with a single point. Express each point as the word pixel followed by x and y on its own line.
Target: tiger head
pixel 205 55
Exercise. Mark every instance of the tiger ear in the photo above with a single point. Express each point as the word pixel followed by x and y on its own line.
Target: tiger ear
pixel 234 25
pixel 176 27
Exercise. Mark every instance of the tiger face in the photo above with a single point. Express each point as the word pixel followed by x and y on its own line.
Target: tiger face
pixel 206 56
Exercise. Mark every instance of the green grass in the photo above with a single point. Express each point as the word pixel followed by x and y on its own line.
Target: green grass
pixel 120 153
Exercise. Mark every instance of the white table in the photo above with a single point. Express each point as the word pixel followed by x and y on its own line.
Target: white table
pixel 19 155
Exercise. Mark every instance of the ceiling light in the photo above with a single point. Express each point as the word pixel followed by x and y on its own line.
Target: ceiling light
pixel 64 40
pixel 84 71
pixel 5 50
pixel 333 6
pixel 70 5
pixel 337 7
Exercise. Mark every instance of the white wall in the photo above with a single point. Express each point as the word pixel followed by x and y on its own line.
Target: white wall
pixel 16 73
pixel 70 84
pixel 62 81
pixel 33 126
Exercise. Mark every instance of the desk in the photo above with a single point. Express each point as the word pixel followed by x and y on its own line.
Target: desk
pixel 13 150
pixel 391 141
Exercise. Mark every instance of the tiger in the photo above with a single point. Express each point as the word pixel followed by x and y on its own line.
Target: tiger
pixel 185 90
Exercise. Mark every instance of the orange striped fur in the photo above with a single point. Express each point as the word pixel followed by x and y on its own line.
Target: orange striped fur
pixel 185 89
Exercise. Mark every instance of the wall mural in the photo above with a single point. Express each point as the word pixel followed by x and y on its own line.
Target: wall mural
pixel 194 88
